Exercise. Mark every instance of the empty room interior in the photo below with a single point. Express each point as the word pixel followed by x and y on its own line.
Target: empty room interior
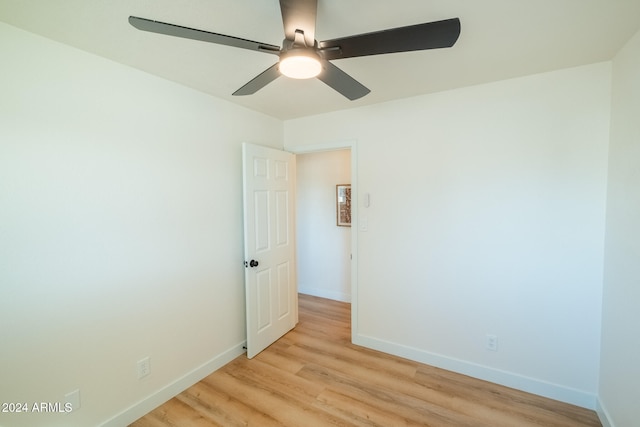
pixel 495 212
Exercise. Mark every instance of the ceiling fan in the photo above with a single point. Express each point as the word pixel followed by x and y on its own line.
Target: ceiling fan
pixel 301 56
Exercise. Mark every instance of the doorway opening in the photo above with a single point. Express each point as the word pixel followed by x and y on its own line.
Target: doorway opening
pixel 323 244
pixel 326 252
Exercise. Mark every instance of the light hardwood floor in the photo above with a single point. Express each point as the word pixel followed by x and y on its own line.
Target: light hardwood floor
pixel 314 376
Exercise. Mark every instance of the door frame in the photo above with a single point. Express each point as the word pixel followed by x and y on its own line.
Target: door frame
pixel 336 146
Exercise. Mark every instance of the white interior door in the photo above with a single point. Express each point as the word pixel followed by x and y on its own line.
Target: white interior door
pixel 269 242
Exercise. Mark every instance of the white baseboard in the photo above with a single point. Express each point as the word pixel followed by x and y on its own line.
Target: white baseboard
pixel 148 404
pixel 324 293
pixel 603 414
pixel 508 379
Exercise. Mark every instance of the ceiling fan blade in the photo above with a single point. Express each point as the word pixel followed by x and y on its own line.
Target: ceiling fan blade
pixel 205 36
pixel 342 82
pixel 431 35
pixel 259 81
pixel 299 15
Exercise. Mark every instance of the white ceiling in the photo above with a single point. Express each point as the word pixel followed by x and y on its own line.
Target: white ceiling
pixel 500 39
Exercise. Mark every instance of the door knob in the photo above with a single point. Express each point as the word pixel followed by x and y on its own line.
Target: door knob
pixel 253 263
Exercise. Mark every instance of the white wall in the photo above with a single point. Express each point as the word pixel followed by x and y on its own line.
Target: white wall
pixel 620 372
pixel 120 231
pixel 487 217
pixel 323 248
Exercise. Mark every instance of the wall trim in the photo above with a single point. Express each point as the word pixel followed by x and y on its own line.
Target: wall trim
pixel 603 414
pixel 509 379
pixel 156 399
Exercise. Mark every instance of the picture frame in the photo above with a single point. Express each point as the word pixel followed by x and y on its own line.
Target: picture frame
pixel 343 205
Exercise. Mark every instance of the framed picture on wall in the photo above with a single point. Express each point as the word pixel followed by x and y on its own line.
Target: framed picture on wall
pixel 343 205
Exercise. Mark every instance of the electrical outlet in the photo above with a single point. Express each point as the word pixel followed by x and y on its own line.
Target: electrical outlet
pixel 492 342
pixel 144 367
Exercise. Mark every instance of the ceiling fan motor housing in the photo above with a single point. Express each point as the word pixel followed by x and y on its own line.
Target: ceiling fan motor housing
pixel 300 63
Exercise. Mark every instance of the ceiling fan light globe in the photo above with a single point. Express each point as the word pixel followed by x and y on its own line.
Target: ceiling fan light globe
pixel 302 65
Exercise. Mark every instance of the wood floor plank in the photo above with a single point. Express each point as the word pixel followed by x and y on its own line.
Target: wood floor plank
pixel 279 360
pixel 291 386
pixel 415 411
pixel 314 376
pixel 358 412
pixel 536 408
pixel 350 354
pixel 177 413
pixel 214 400
pixel 274 402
